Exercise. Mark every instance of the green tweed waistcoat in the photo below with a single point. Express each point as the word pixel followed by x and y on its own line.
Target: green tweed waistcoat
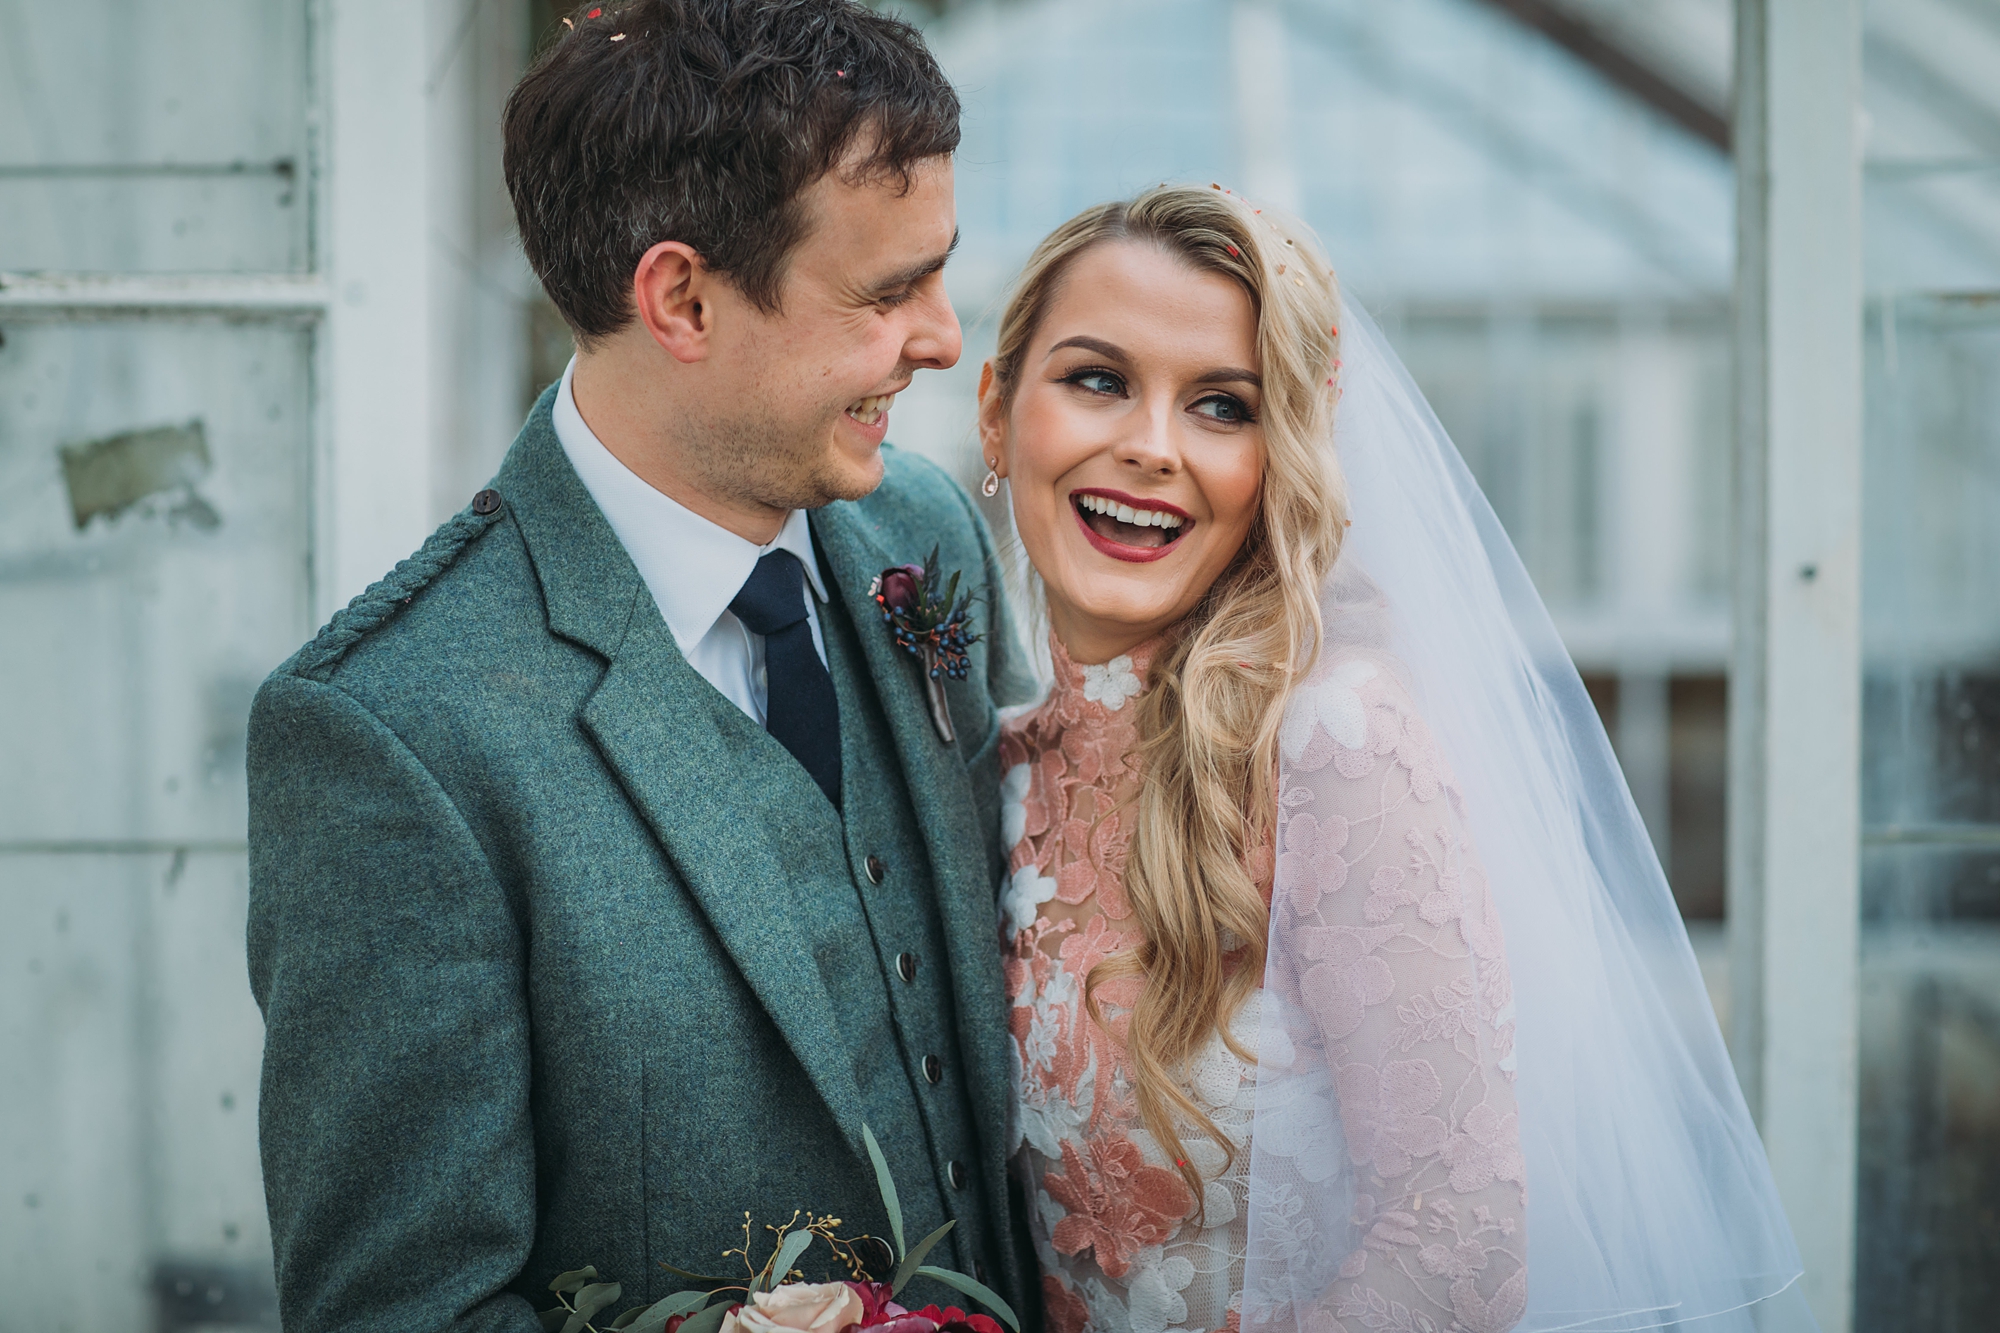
pixel 564 960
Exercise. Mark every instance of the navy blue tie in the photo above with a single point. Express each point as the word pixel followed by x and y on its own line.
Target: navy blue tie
pixel 802 713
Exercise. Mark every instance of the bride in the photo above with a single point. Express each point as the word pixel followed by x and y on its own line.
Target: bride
pixel 1347 991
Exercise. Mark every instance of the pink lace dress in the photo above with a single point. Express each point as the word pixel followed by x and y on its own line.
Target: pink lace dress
pixel 1411 997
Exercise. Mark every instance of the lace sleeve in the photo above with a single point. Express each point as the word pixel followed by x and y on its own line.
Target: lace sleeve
pixel 1387 947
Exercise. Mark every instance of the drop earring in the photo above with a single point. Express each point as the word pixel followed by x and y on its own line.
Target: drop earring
pixel 991 486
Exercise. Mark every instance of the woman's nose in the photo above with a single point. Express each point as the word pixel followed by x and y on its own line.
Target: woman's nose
pixel 1150 446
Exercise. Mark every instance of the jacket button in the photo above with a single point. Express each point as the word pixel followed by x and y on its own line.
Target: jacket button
pixel 933 1069
pixel 875 869
pixel 906 966
pixel 486 502
pixel 954 1171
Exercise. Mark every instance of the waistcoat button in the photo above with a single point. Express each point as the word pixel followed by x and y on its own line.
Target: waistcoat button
pixel 906 966
pixel 933 1069
pixel 955 1172
pixel 875 869
pixel 486 502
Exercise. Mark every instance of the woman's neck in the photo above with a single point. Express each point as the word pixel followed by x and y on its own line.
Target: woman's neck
pixel 1092 642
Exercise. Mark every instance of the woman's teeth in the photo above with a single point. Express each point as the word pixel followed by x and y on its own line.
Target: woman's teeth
pixel 1129 525
pixel 1138 518
pixel 870 410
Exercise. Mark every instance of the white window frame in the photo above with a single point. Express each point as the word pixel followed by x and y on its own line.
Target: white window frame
pixel 366 292
pixel 1795 683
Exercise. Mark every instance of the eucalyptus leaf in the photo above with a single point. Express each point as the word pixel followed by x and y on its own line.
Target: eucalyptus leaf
pixel 655 1318
pixel 589 1301
pixel 979 1291
pixel 908 1268
pixel 883 1180
pixel 574 1280
pixel 697 1277
pixel 553 1320
pixel 788 1254
pixel 707 1321
pixel 627 1318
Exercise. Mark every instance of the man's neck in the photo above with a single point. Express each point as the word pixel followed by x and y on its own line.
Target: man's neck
pixel 634 424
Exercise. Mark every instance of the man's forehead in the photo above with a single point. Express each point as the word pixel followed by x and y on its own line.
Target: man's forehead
pixel 866 228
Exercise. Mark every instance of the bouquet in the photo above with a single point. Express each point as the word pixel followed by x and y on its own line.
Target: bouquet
pixel 771 1301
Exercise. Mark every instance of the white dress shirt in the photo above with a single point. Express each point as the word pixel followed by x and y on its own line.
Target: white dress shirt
pixel 693 568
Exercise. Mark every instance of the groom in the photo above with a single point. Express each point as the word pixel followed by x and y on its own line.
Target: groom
pixel 608 870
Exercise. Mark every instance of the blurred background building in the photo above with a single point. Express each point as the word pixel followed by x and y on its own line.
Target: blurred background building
pixel 263 323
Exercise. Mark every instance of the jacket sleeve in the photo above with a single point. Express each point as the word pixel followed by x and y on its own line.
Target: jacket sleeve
pixel 399 1163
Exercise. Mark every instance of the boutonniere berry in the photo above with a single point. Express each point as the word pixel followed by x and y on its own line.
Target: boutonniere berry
pixel 931 622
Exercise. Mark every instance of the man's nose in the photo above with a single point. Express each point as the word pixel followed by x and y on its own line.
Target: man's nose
pixel 936 340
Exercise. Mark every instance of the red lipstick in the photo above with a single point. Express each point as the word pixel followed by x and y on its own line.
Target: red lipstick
pixel 1137 555
pixel 1119 497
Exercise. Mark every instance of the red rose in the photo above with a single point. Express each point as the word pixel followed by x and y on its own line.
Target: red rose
pixel 951 1319
pixel 878 1307
pixel 899 586
pixel 906 1322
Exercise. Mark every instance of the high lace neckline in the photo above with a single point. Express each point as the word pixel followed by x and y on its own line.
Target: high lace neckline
pixel 1109 686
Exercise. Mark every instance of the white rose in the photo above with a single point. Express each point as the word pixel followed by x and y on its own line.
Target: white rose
pixel 802 1307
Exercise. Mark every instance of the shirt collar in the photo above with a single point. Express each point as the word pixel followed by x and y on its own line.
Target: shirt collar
pixel 693 567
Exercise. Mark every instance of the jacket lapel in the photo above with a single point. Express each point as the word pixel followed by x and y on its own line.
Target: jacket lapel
pixel 942 795
pixel 685 755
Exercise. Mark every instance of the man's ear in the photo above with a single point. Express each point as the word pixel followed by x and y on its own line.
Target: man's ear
pixel 992 420
pixel 671 290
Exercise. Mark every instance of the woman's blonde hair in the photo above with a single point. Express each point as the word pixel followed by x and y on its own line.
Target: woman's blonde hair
pixel 1208 722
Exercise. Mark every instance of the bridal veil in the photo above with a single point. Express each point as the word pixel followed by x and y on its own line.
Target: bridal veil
pixel 1647 1199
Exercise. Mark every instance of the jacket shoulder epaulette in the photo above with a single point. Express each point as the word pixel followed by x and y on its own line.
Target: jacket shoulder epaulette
pixel 396 589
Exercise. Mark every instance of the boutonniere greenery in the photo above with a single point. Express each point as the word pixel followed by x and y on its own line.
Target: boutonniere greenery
pixel 931 622
pixel 773 1296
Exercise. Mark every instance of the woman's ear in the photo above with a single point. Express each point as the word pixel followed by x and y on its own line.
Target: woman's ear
pixel 992 420
pixel 670 291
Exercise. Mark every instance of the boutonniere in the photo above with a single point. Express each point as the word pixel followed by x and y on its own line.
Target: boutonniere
pixel 932 625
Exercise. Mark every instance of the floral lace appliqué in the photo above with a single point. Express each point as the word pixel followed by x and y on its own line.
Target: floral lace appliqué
pixel 1111 684
pixel 1400 981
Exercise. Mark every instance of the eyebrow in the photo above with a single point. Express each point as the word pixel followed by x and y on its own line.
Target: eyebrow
pixel 1113 352
pixel 914 274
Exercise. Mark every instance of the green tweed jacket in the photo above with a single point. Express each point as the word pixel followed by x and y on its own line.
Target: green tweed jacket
pixel 563 960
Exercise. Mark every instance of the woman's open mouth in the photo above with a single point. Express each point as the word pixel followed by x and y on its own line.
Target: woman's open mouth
pixel 1126 527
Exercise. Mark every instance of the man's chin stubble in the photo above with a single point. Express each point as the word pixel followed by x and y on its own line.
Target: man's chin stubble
pixel 800 475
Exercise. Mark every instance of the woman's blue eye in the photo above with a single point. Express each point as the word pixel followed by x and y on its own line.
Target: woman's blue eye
pixel 1223 407
pixel 1096 381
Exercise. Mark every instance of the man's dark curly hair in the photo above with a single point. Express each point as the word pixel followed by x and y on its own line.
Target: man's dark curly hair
pixel 702 121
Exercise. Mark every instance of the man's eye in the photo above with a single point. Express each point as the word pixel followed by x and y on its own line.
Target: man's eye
pixel 1096 381
pixel 894 299
pixel 1225 408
